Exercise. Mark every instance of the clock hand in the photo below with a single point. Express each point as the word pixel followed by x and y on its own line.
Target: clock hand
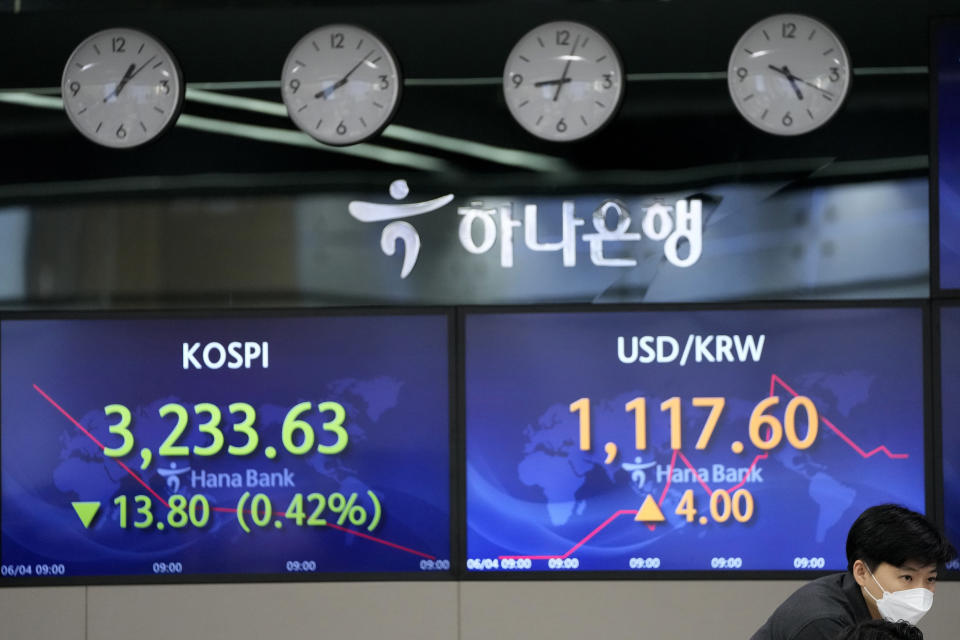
pixel 813 86
pixel 809 84
pixel 789 76
pixel 141 67
pixel 326 93
pixel 566 67
pixel 128 76
pixel 563 79
pixel 557 81
pixel 123 82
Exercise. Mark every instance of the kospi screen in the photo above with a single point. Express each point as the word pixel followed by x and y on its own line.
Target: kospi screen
pixel 243 445
pixel 687 440
pixel 950 422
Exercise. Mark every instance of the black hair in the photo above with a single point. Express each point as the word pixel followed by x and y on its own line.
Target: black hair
pixel 895 535
pixel 881 630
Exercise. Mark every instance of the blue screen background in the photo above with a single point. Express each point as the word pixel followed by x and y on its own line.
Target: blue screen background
pixel 390 373
pixel 948 148
pixel 950 406
pixel 531 491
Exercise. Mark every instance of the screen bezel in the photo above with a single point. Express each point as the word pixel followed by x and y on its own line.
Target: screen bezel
pixel 657 574
pixel 452 433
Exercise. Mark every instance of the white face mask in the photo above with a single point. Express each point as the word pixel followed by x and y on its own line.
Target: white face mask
pixel 908 605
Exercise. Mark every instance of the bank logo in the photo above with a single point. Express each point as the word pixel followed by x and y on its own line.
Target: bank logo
pixel 482 226
pixel 172 475
pixel 398 231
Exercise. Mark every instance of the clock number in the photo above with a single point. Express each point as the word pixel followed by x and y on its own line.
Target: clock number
pixel 742 73
pixel 75 88
pixel 165 85
pixel 336 41
pixel 342 129
pixel 517 80
pixel 118 43
pixel 294 85
pixel 563 37
pixel 384 83
pixel 561 125
pixel 787 119
pixel 607 80
pixel 789 30
pixel 834 74
pixel 121 132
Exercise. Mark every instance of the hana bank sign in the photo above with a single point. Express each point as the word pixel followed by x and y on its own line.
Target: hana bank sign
pixel 679 226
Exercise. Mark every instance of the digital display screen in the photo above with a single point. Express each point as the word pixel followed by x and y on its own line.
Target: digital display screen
pixel 950 422
pixel 693 440
pixel 259 445
pixel 947 178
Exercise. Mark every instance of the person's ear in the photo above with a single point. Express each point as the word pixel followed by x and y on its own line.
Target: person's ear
pixel 860 572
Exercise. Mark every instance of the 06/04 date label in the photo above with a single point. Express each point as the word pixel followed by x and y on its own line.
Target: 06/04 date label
pixel 22 570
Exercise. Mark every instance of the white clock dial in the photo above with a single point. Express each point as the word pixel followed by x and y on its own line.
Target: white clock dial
pixel 788 74
pixel 563 81
pixel 341 84
pixel 121 88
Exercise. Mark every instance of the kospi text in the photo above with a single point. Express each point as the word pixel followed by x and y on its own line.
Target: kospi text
pixel 235 355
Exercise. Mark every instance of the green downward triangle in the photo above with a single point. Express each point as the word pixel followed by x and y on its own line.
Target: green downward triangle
pixel 87 512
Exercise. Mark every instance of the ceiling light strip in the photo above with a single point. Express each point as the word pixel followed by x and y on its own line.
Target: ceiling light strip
pixel 300 139
pixel 254 85
pixel 265 134
pixel 236 102
pixel 499 155
pixel 498 80
pixel 490 153
pixel 890 71
pixel 31 100
pixel 668 77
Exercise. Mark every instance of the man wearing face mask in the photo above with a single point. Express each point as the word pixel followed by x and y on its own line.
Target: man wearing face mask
pixel 892 559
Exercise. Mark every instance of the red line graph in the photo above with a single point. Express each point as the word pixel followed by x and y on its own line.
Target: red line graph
pixel 617 514
pixel 220 509
pixel 99 444
pixel 740 484
pixel 774 380
pixel 853 445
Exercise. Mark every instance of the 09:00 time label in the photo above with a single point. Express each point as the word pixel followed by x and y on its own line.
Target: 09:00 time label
pixel 508 564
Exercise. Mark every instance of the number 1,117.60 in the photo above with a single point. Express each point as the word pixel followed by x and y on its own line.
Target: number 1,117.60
pixel 765 430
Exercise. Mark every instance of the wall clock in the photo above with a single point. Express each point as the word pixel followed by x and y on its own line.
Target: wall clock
pixel 788 74
pixel 122 88
pixel 341 84
pixel 563 81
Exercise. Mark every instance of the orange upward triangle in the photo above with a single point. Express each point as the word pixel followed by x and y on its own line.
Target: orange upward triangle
pixel 649 511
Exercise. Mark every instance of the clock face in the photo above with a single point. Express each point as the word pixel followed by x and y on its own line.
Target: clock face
pixel 341 84
pixel 121 88
pixel 563 81
pixel 788 74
